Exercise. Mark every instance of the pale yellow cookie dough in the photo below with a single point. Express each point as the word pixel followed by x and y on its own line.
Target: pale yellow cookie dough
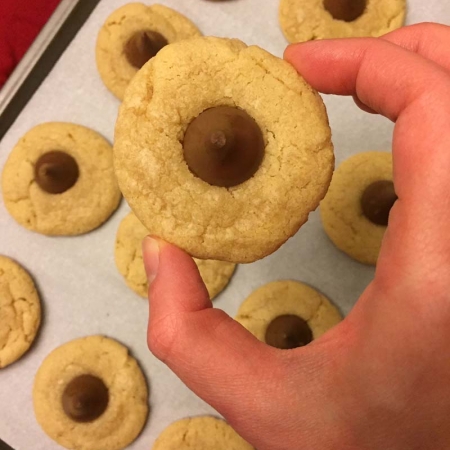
pixel 342 216
pixel 200 433
pixel 127 409
pixel 128 254
pixel 251 220
pixel 306 20
pixel 82 208
pixel 20 311
pixel 113 66
pixel 215 274
pixel 281 298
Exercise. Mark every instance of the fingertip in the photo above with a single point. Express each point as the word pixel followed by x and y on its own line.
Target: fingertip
pixel 309 59
pixel 174 279
pixel 289 51
pixel 294 52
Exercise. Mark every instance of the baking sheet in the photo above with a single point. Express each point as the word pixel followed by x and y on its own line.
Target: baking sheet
pixel 82 292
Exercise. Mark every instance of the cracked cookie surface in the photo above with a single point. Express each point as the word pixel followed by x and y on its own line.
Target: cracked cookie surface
pixel 20 311
pixel 307 20
pixel 127 408
pixel 341 212
pixel 128 254
pixel 82 208
pixel 112 63
pixel 286 297
pixel 245 222
pixel 200 433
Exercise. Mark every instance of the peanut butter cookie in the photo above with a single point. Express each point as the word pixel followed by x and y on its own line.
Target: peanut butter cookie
pixel 131 36
pixel 306 20
pixel 128 253
pixel 287 314
pixel 200 433
pixel 222 149
pixel 90 394
pixel 20 311
pixel 59 180
pixel 355 211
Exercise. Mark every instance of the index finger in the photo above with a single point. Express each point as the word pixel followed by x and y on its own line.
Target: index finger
pixel 384 76
pixel 414 92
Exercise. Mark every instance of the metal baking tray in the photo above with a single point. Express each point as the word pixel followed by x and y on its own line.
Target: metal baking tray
pixel 64 85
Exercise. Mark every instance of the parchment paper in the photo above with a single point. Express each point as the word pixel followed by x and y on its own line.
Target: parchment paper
pixel 82 292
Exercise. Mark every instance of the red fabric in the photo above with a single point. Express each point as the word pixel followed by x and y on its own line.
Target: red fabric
pixel 20 23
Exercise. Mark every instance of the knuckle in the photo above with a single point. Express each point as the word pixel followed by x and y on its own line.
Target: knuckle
pixel 162 336
pixel 428 32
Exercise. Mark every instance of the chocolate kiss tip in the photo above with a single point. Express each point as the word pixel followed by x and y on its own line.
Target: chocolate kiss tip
pixel 219 139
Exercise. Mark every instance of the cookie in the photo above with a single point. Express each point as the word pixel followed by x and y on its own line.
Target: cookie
pixel 128 253
pixel 59 180
pixel 287 314
pixel 200 433
pixel 308 20
pixel 20 311
pixel 222 149
pixel 90 394
pixel 131 36
pixel 355 211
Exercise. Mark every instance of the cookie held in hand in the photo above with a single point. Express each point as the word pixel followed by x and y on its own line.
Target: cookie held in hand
pixel 222 149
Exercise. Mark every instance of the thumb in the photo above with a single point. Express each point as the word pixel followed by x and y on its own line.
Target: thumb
pixel 213 355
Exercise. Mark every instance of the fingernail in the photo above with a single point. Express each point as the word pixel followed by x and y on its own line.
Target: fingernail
pixel 150 248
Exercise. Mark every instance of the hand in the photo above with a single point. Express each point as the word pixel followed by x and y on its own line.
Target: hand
pixel 380 379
